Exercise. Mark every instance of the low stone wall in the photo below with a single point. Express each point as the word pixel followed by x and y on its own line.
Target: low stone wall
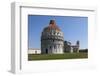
pixel 34 51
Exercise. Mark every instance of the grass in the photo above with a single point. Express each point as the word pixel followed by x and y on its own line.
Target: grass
pixel 57 56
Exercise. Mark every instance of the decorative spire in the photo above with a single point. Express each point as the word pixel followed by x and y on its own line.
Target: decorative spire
pixel 52 25
pixel 52 22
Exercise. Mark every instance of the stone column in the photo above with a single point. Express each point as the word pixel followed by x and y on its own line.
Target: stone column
pixel 57 49
pixel 53 49
pixel 62 49
pixel 78 49
pixel 71 50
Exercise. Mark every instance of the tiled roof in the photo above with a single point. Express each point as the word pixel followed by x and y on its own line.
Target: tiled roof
pixel 52 25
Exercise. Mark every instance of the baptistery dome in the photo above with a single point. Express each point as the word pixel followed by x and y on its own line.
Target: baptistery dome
pixel 52 40
pixel 52 26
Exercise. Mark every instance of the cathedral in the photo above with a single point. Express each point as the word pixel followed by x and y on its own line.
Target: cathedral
pixel 52 41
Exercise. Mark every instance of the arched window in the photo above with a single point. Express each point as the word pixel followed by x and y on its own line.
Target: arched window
pixel 54 46
pixel 58 46
pixel 46 51
pixel 50 33
pixel 50 47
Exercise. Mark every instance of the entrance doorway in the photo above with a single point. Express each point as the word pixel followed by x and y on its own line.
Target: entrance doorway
pixel 46 51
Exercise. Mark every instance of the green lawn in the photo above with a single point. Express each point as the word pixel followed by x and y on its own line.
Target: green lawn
pixel 57 56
